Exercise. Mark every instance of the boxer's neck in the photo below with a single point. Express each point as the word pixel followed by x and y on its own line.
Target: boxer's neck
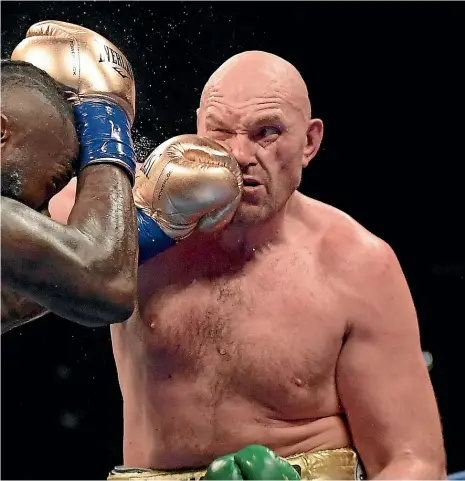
pixel 248 239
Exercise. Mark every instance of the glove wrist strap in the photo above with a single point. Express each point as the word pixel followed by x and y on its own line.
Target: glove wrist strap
pixel 105 135
pixel 152 239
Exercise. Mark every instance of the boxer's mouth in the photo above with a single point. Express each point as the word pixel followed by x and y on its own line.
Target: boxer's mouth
pixel 250 181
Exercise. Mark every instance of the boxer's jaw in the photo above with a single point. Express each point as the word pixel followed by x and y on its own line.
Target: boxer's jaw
pixel 247 238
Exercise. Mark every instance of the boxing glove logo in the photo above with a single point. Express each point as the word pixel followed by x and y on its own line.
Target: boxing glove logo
pixel 108 55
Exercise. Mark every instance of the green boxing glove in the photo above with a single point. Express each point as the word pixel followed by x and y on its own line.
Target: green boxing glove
pixel 223 468
pixel 252 462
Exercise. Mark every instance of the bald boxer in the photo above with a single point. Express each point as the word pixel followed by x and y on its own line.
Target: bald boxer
pixel 292 329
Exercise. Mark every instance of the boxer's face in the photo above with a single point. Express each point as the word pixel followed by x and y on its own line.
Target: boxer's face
pixel 38 155
pixel 267 134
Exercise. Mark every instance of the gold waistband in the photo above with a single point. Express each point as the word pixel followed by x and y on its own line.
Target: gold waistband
pixel 342 463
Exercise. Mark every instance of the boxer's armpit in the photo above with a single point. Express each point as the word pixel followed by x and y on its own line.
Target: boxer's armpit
pixel 85 271
pixel 17 310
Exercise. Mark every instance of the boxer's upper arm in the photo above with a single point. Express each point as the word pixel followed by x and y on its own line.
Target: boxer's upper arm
pixel 383 383
pixel 85 271
pixel 61 205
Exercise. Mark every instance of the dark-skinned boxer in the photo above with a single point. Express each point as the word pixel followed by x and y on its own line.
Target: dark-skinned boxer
pixel 85 271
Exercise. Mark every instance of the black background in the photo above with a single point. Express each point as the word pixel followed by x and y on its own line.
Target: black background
pixel 387 80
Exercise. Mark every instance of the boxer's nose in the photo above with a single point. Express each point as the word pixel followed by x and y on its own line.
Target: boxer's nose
pixel 243 150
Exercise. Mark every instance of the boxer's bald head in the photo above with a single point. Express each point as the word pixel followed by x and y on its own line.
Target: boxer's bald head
pixel 252 74
pixel 257 103
pixel 39 143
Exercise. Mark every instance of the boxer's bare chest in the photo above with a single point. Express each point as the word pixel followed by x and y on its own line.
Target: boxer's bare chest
pixel 273 320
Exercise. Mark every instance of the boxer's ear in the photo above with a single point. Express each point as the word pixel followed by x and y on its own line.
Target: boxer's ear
pixel 5 127
pixel 314 138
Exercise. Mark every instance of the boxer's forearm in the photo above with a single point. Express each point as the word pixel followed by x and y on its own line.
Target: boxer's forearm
pixel 85 271
pixel 408 468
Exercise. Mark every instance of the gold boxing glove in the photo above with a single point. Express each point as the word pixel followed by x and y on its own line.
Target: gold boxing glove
pixel 80 59
pixel 187 183
pixel 101 82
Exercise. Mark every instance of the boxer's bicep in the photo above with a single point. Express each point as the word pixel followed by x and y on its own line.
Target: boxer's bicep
pixel 62 204
pixel 382 380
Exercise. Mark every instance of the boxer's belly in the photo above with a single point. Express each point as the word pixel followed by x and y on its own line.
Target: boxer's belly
pixel 184 426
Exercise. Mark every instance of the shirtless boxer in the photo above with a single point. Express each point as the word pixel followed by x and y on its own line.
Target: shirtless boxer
pixel 292 328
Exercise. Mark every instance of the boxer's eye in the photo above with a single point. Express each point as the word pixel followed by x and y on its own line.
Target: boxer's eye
pixel 266 135
pixel 221 133
pixel 59 182
pixel 54 186
pixel 265 132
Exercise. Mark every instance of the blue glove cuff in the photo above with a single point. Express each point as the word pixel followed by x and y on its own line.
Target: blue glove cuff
pixel 105 136
pixel 152 240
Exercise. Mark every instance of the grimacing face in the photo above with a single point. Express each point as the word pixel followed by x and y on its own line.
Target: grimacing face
pixel 269 141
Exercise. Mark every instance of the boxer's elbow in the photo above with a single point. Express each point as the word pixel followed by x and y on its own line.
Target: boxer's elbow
pixel 108 306
pixel 121 302
pixel 411 466
pixel 109 291
pixel 115 299
pixel 429 469
pixel 439 463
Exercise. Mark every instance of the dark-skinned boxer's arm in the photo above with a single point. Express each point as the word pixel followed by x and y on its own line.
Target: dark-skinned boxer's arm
pixel 84 271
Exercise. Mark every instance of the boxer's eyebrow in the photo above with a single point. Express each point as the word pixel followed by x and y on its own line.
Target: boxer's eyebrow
pixel 213 117
pixel 266 119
